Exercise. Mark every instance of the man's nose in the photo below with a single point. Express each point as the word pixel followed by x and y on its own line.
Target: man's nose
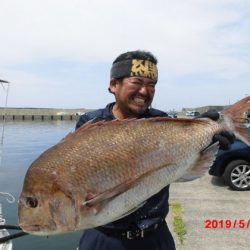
pixel 143 90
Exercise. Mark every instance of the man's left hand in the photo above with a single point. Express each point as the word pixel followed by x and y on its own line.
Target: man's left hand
pixel 225 138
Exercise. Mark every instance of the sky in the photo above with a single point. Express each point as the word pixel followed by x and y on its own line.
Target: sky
pixel 58 53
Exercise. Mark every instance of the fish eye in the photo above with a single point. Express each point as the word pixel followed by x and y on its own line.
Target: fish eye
pixel 32 202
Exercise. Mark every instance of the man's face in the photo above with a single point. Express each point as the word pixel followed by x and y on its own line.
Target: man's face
pixel 133 95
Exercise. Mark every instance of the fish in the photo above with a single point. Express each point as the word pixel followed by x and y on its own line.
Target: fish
pixel 106 170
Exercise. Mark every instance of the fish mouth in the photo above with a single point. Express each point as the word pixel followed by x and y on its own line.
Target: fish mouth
pixel 37 229
pixel 30 228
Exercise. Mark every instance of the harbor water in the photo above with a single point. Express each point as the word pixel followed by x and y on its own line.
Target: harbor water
pixel 23 142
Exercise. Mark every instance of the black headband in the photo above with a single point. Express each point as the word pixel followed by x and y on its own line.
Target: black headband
pixel 134 67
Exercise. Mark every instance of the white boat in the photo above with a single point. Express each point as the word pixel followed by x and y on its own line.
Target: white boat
pixel 3 232
pixel 6 245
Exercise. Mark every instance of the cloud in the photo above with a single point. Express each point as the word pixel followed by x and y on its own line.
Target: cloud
pixel 192 40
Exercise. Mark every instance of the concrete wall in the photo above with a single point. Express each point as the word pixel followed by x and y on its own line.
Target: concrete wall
pixel 41 111
pixel 40 114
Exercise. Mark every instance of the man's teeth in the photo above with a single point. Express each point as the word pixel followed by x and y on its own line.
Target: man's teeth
pixel 139 100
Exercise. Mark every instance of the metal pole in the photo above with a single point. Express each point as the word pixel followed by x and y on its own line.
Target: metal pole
pixel 5 107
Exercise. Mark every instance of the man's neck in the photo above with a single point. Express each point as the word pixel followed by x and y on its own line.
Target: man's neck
pixel 120 115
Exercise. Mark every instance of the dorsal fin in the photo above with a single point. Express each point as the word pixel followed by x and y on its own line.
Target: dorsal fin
pixel 90 125
pixel 177 120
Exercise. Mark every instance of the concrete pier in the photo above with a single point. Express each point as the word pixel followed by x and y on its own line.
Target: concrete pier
pixel 42 114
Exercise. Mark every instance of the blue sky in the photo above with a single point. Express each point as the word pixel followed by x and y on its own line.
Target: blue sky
pixel 58 53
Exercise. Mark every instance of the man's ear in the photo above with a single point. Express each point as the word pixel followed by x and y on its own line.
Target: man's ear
pixel 113 85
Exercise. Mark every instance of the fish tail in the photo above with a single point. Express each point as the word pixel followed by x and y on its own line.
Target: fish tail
pixel 234 118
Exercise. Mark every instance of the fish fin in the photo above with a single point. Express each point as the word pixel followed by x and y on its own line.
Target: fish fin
pixel 95 203
pixel 93 199
pixel 106 195
pixel 203 163
pixel 183 122
pixel 96 208
pixel 93 207
pixel 93 124
pixel 234 117
pixel 89 124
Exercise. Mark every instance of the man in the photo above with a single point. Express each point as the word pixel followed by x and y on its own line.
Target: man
pixel 133 80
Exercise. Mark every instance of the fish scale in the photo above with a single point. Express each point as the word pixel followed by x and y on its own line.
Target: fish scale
pixel 106 170
pixel 134 161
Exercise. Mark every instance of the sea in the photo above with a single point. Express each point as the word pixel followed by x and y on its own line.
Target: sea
pixel 23 142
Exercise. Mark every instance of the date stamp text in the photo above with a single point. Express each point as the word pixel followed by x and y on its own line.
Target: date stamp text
pixel 215 223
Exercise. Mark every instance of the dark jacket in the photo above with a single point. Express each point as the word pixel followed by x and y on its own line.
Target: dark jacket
pixel 156 207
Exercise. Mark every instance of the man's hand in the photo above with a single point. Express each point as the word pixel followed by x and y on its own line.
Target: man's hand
pixel 225 138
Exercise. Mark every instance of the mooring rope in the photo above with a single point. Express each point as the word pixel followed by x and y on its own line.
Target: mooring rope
pixel 12 236
pixel 11 199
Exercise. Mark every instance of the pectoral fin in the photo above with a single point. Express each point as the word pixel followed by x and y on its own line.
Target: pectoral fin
pixel 92 199
pixel 110 193
pixel 202 165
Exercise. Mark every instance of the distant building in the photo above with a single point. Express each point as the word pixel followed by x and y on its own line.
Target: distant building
pixel 205 108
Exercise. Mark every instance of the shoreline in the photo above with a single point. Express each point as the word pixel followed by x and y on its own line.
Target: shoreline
pixel 40 113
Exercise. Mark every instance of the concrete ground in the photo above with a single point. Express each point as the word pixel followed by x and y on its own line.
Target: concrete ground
pixel 209 198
